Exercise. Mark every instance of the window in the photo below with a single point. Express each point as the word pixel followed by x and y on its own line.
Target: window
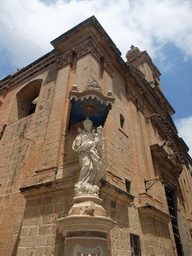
pixel 27 98
pixel 135 245
pixel 128 185
pixel 122 120
pixel 113 209
pixel 172 206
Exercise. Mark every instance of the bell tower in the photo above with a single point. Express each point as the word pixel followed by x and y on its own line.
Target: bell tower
pixel 143 62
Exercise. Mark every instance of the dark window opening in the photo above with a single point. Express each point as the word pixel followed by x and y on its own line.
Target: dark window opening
pixel 135 245
pixel 113 209
pixel 113 204
pixel 122 120
pixel 32 106
pixel 101 67
pixel 128 185
pixel 170 194
pixel 27 98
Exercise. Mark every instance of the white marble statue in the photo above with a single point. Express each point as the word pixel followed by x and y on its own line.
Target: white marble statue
pixel 89 145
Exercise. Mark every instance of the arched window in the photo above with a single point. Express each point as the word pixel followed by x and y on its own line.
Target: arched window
pixel 27 98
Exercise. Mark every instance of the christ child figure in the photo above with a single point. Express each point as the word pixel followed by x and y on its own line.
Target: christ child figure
pixel 98 139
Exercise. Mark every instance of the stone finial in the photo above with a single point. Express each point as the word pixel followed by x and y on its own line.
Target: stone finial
pixel 74 88
pixel 132 53
pixel 109 94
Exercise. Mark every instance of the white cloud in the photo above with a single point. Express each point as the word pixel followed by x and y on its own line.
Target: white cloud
pixel 184 127
pixel 27 27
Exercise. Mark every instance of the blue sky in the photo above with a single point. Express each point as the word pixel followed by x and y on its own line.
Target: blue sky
pixel 161 27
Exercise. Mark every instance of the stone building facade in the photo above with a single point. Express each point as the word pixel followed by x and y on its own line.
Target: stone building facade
pixel 147 188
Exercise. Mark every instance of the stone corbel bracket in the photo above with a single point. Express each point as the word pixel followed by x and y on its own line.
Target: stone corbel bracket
pixel 149 211
pixel 111 191
pixel 160 154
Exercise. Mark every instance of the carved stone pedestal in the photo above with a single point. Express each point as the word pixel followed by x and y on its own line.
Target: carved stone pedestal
pixel 86 228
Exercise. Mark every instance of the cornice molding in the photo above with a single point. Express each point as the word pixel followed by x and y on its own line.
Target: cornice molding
pixel 163 126
pixel 27 71
pixel 85 48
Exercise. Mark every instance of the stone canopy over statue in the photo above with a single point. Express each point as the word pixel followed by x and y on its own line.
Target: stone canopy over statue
pixel 89 146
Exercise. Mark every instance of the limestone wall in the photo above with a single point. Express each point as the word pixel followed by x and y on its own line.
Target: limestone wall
pixel 36 155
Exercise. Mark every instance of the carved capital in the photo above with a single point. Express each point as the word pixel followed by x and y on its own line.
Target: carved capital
pixel 84 48
pixel 140 105
pixel 107 65
pixel 87 47
pixel 132 96
pixel 64 59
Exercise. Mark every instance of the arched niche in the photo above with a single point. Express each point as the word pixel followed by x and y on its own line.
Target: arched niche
pixel 27 98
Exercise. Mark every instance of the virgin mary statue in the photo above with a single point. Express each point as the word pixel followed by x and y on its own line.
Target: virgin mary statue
pixel 89 146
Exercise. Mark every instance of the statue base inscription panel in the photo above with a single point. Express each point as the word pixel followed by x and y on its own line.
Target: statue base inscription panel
pixel 86 228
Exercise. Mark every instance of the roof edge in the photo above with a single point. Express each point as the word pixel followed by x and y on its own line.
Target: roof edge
pixel 91 20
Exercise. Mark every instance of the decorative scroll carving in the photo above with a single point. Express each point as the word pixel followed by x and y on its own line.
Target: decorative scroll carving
pixel 87 47
pixel 107 64
pixel 158 120
pixel 93 86
pixel 170 149
pixel 140 105
pixel 132 96
pixel 65 59
pixel 84 48
pixel 95 51
pixel 166 156
pixel 166 129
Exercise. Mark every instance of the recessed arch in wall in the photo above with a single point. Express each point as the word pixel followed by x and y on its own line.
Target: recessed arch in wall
pixel 27 98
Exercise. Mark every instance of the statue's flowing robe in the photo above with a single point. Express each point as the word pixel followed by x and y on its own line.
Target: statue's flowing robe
pixel 91 164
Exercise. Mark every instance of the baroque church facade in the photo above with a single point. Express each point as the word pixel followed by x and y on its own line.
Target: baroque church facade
pixel 91 162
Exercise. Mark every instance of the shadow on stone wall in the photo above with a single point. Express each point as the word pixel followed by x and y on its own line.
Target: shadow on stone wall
pixel 39 234
pixel 156 236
